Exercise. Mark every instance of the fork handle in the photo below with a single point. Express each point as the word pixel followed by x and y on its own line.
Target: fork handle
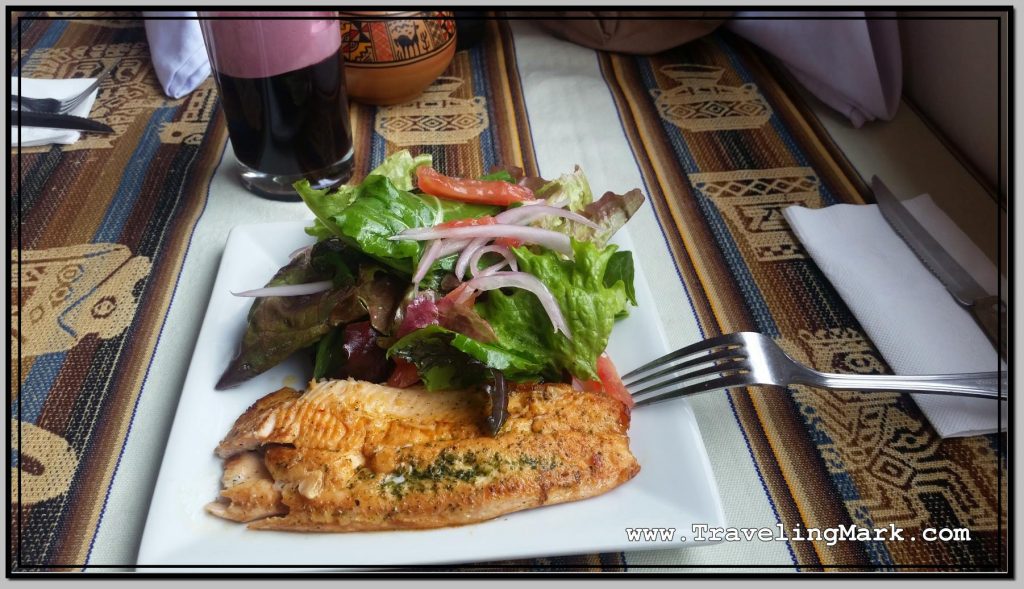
pixel 986 385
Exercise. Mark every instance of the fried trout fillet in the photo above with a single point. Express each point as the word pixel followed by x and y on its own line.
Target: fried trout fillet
pixel 352 456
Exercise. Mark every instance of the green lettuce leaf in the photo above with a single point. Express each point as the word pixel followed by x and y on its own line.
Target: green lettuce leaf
pixel 620 268
pixel 367 215
pixel 400 168
pixel 610 212
pixel 449 360
pixel 451 210
pixel 440 366
pixel 330 355
pixel 319 230
pixel 574 187
pixel 589 298
pixel 376 212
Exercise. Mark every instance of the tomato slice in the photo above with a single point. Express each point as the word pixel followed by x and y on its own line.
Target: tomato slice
pixel 591 386
pixel 488 192
pixel 451 299
pixel 508 241
pixel 613 386
pixel 608 382
pixel 404 375
pixel 471 222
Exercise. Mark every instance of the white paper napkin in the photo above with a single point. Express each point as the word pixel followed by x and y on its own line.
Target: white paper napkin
pixel 911 318
pixel 59 89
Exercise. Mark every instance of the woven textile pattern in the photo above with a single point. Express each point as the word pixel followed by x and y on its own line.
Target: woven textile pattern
pixel 724 148
pixel 98 232
pixel 97 247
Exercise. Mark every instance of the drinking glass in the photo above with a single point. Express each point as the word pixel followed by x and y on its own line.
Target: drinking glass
pixel 282 85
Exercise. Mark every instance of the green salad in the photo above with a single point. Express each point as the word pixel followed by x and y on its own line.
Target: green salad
pixel 417 278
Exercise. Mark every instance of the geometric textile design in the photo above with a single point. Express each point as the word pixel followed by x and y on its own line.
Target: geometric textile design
pixel 753 200
pixel 68 293
pixel 435 117
pixel 700 103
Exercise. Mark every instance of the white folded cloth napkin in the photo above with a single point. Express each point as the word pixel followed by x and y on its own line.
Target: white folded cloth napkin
pixel 177 51
pixel 908 314
pixel 46 88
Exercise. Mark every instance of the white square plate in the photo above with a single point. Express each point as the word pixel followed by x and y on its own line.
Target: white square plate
pixel 674 489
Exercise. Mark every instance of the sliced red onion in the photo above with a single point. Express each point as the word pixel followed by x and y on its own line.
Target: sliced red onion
pixel 524 215
pixel 452 246
pixel 521 215
pixel 467 254
pixel 287 290
pixel 510 260
pixel 437 249
pixel 550 239
pixel 491 269
pixel 560 203
pixel 430 255
pixel 414 232
pixel 527 282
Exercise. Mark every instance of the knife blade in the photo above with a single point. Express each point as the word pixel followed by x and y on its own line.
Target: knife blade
pixel 56 121
pixel 988 311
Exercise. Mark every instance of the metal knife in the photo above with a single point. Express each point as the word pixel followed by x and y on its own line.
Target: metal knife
pixel 988 311
pixel 55 121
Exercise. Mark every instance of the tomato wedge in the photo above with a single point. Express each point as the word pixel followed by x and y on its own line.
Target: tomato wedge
pixel 591 386
pixel 608 382
pixel 486 192
pixel 471 222
pixel 452 298
pixel 404 375
pixel 613 386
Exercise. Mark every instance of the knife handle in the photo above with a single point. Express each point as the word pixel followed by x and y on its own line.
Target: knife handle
pixel 990 313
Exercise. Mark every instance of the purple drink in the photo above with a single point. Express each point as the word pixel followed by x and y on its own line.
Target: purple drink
pixel 282 84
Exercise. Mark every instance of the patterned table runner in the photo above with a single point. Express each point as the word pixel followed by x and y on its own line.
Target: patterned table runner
pixel 103 225
pixel 722 147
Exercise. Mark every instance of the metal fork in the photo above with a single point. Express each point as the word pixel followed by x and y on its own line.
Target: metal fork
pixel 64 105
pixel 746 358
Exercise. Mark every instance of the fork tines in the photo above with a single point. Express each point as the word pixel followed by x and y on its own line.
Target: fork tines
pixel 718 362
pixel 64 105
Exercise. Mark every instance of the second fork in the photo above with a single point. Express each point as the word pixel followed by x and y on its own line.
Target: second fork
pixel 63 105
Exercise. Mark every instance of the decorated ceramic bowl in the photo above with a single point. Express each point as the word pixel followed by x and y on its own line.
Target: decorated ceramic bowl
pixel 392 56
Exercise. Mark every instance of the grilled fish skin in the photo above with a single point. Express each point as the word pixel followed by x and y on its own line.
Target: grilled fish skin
pixel 354 456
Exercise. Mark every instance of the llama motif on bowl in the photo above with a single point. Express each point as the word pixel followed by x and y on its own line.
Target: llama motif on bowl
pixel 392 56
